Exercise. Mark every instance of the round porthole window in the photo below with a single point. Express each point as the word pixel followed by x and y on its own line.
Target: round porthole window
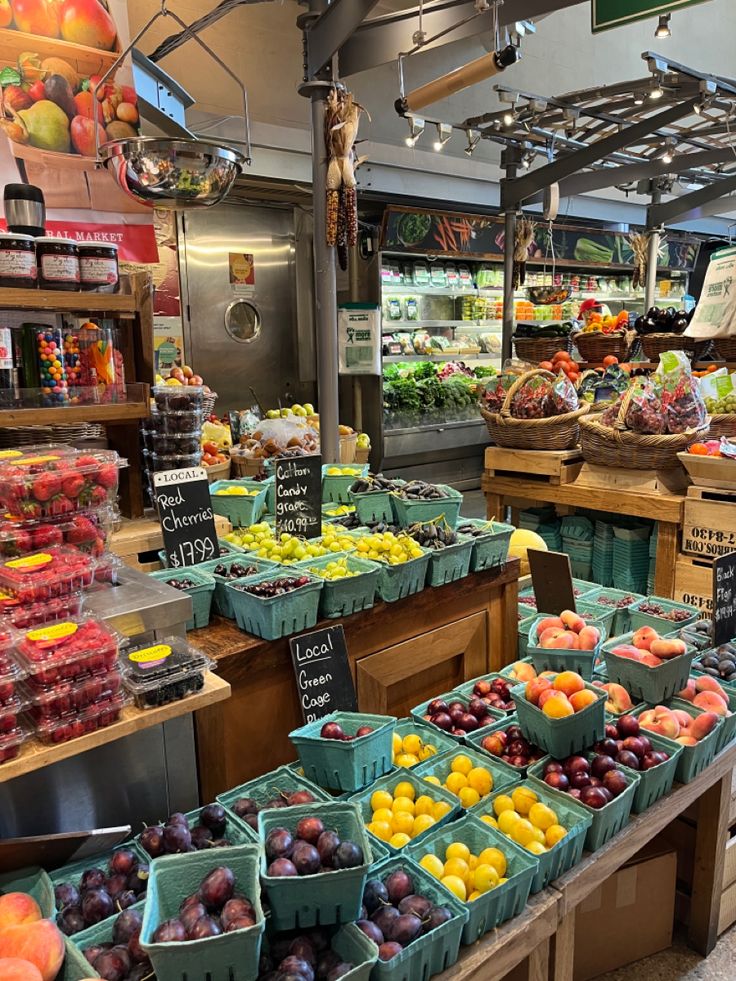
pixel 243 321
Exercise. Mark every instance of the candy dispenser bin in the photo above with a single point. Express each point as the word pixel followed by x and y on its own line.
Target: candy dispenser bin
pixel 94 362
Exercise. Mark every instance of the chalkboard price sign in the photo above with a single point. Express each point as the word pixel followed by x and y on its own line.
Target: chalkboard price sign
pixel 552 581
pixel 724 599
pixel 323 679
pixel 185 512
pixel 299 496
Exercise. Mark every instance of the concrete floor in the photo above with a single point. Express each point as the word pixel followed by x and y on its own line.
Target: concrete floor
pixel 474 504
pixel 679 963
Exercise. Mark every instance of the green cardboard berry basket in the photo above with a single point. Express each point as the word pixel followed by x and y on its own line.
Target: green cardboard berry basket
pixel 419 711
pixel 556 659
pixel 275 616
pixel 727 728
pixel 561 737
pixel 72 871
pixel 34 881
pixel 638 619
pixel 569 850
pixel 237 832
pixel 296 767
pixel 350 944
pixel 657 782
pixel 100 933
pixel 396 582
pixel 475 742
pixel 371 506
pixel 693 759
pixel 342 597
pixel 699 639
pixel 221 598
pixel 363 801
pixel 607 821
pixel 331 518
pixel 433 952
pixel 76 967
pixel 645 684
pixel 240 511
pixel 441 767
pixel 266 788
pixel 524 627
pixel 491 549
pixel 409 512
pixel 621 618
pixel 336 487
pixel 428 734
pixel 450 563
pixel 498 905
pixel 466 688
pixel 229 957
pixel 200 593
pixel 346 765
pixel 327 897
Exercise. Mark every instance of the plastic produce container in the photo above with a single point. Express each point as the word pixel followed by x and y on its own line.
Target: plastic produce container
pixel 241 510
pixel 66 698
pixel 476 739
pixel 693 759
pixel 433 952
pixel 568 851
pixel 56 571
pixel 562 737
pixel 11 744
pixel 179 423
pixel 221 598
pixel 229 957
pixel 102 714
pixel 651 685
pixel 336 486
pixel 663 624
pixel 164 672
pixel 272 617
pixel 168 445
pixel 158 462
pixel 450 563
pixel 419 712
pixel 408 512
pixel 441 767
pixel 395 582
pixel 326 897
pixel 178 398
pixel 56 482
pixel 87 531
pixel 10 677
pixel 27 615
pixel 498 905
pixel 342 597
pixel 346 765
pixel 67 650
pixel 429 735
pixel 491 548
pixel 199 586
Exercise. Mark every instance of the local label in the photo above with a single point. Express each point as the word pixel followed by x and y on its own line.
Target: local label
pixel 10 454
pixel 57 632
pixel 33 460
pixel 156 653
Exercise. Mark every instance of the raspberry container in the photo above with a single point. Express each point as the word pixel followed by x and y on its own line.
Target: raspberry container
pixel 165 672
pixel 87 531
pixel 10 676
pixel 10 744
pixel 27 615
pixel 10 712
pixel 69 697
pixel 54 483
pixel 40 576
pixel 99 716
pixel 68 650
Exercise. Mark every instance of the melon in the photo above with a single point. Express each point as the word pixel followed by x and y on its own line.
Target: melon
pixel 521 540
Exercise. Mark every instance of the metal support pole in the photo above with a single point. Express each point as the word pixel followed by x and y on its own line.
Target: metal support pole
pixel 510 160
pixel 652 257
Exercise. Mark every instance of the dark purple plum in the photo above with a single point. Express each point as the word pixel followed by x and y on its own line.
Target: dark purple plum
pixel 281 867
pixel 206 926
pixel 126 899
pixel 141 972
pixel 240 923
pixel 113 965
pixel 177 838
pixel 252 821
pixel 326 962
pixel 437 916
pixel 93 952
pixel 347 855
pixel 297 797
pixel 326 845
pixel 304 948
pixel 116 884
pixel 170 931
pixel 96 905
pixel 279 844
pixel 92 879
pixel 123 861
pixel 70 920
pixel 66 894
pixel 234 908
pixel 309 829
pixel 274 804
pixel 201 837
pixel 418 905
pixel 384 917
pixel 152 840
pixel 245 805
pixel 297 965
pixel 371 930
pixel 375 894
pixel 388 950
pixel 137 953
pixel 191 913
pixel 213 817
pixel 398 885
pixel 405 928
pixel 217 887
pixel 178 818
pixel 125 925
pixel 305 858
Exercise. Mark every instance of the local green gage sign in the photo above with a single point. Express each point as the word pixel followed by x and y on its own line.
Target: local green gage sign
pixel 615 13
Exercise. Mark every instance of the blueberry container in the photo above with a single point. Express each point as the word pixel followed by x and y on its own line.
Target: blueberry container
pixel 164 672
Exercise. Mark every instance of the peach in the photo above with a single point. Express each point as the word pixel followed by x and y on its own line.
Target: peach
pixel 17 908
pixel 686 741
pixel 689 692
pixel 651 660
pixel 706 683
pixel 711 702
pixel 14 969
pixel 572 620
pixel 568 682
pixel 558 708
pixel 643 638
pixel 545 637
pixel 668 648
pixel 41 943
pixel 535 688
pixel 566 641
pixel 627 650
pixel 549 693
pixel 582 699
pixel 660 720
pixel 702 725
pixel 553 623
pixel 588 638
pixel 684 718
pixel 522 671
pixel 619 700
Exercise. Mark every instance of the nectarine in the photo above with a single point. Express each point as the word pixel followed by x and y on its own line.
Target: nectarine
pixel 17 908
pixel 582 699
pixel 41 943
pixel 14 969
pixel 568 682
pixel 523 671
pixel 559 707
pixel 661 720
pixel 619 700
pixel 549 693
pixel 546 637
pixel 651 660
pixel 672 647
pixel 547 623
pixel 686 740
pixel 565 641
pixel 535 688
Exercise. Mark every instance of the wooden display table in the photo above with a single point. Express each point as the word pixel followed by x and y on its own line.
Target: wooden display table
pixel 400 655
pixel 660 497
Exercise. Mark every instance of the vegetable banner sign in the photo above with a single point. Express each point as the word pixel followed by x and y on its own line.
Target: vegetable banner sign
pixel 616 13
pixel 482 237
pixel 53 54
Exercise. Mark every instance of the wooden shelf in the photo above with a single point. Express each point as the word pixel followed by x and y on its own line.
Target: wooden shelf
pixel 120 413
pixel 86 60
pixel 34 755
pixel 117 303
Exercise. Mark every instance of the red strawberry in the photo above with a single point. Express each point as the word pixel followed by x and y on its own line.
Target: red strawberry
pixel 72 485
pixel 45 535
pixel 97 496
pixel 45 486
pixel 108 476
pixel 81 531
pixel 16 541
pixel 30 509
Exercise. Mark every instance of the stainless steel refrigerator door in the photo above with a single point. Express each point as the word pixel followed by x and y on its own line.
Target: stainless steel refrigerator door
pixel 255 344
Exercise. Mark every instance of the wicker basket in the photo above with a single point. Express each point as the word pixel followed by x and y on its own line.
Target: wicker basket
pixel 725 348
pixel 594 347
pixel 609 446
pixel 555 433
pixel 655 344
pixel 246 466
pixel 537 349
pixel 722 424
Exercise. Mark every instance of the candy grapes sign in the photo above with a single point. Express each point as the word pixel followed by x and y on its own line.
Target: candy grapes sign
pixel 323 679
pixel 299 496
pixel 616 13
pixel 185 512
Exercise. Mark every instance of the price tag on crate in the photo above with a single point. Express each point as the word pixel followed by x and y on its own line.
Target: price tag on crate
pixel 298 495
pixel 323 679
pixel 724 599
pixel 185 513
pixel 552 581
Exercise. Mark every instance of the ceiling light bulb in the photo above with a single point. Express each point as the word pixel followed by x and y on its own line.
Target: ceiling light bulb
pixel 667 157
pixel 509 118
pixel 444 132
pixel 656 91
pixel 416 128
pixel 663 27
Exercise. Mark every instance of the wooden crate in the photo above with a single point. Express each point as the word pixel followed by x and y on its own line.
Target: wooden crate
pixel 138 541
pixel 545 466
pixel 709 522
pixel 650 482
pixel 710 471
pixel 694 583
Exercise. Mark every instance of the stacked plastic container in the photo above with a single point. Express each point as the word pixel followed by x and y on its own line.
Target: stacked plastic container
pixel 58 667
pixel 172 435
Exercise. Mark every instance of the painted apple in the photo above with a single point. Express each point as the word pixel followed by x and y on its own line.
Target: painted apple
pixel 87 22
pixel 6 13
pixel 36 17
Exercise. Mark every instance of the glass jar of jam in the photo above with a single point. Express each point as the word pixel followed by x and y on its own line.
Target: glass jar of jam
pixel 58 263
pixel 17 260
pixel 98 267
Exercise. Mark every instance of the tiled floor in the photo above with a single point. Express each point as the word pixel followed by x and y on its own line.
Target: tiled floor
pixel 679 963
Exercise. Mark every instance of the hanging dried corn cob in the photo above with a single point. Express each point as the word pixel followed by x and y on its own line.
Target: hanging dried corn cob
pixel 523 238
pixel 341 129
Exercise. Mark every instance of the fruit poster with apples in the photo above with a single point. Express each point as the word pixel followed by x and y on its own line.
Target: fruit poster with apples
pixel 53 55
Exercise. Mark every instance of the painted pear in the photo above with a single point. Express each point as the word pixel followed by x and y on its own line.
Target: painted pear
pixel 47 125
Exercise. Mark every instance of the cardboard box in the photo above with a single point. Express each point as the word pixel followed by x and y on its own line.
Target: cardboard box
pixel 629 916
